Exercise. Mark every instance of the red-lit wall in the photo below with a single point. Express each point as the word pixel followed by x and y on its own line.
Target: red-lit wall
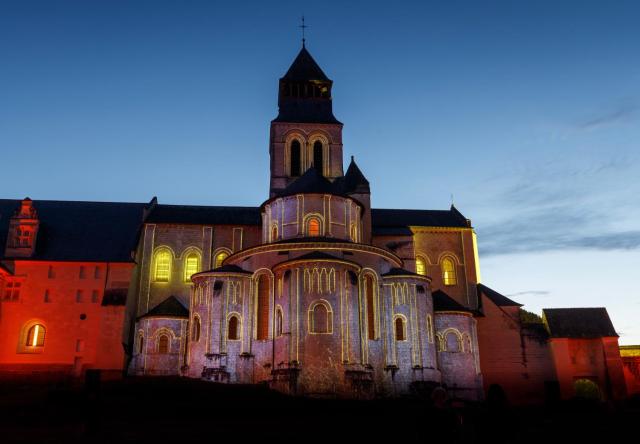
pixel 515 358
pixel 72 343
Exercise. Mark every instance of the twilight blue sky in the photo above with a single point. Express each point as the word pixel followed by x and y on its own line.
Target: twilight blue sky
pixel 527 112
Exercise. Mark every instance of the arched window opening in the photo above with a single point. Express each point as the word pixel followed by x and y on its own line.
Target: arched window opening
pixel 163 344
pixel 195 332
pixel 371 316
pixel 321 319
pixel 400 329
pixel 220 257
pixel 279 322
pixel 448 271
pixel 274 233
pixel 162 270
pixel 421 266
pixel 191 266
pixel 318 156
pixel 296 164
pixel 140 344
pixel 35 336
pixel 262 321
pixel 313 227
pixel 452 342
pixel 233 331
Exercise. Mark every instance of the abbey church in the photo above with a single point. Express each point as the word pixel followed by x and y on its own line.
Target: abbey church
pixel 312 293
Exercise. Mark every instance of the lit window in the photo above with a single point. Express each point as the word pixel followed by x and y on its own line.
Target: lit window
pixel 448 272
pixel 233 333
pixel 400 329
pixel 421 266
pixel 162 266
pixel 313 227
pixel 12 291
pixel 35 336
pixel 220 257
pixel 163 344
pixel 274 233
pixel 191 266
pixel 353 233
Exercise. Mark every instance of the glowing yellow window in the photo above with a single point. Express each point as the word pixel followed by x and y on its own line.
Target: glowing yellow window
pixel 353 233
pixel 35 336
pixel 163 266
pixel 448 272
pixel 220 257
pixel 313 227
pixel 421 267
pixel 191 266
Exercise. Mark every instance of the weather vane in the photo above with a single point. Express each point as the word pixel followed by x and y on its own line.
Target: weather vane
pixel 303 27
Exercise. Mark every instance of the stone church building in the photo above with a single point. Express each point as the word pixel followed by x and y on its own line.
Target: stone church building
pixel 312 293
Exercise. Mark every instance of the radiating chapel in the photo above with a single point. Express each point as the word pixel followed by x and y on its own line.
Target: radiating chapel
pixel 311 293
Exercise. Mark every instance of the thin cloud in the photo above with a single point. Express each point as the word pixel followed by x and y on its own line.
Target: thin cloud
pixel 530 293
pixel 621 113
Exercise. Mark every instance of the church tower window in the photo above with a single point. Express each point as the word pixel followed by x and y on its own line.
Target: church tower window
pixel 318 156
pixel 162 268
pixel 191 266
pixel 262 315
pixel 274 233
pixel 295 158
pixel 449 271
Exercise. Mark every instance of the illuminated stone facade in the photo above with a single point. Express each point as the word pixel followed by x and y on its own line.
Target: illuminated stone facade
pixel 312 293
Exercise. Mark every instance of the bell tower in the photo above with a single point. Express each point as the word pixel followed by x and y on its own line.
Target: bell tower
pixel 305 134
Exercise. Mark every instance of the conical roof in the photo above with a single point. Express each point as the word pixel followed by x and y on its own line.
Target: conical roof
pixel 312 181
pixel 354 180
pixel 305 68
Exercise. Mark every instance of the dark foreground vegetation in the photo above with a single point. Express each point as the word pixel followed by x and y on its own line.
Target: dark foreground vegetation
pixel 183 411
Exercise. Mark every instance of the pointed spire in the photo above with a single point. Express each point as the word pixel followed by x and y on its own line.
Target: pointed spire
pixel 354 180
pixel 305 68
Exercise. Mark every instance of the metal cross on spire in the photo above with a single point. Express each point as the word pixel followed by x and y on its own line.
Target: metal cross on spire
pixel 303 27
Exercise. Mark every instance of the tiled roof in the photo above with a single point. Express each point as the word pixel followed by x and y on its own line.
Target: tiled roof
pixel 394 218
pixel 399 272
pixel 80 231
pixel 497 298
pixel 170 307
pixel 204 215
pixel 578 322
pixel 443 302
